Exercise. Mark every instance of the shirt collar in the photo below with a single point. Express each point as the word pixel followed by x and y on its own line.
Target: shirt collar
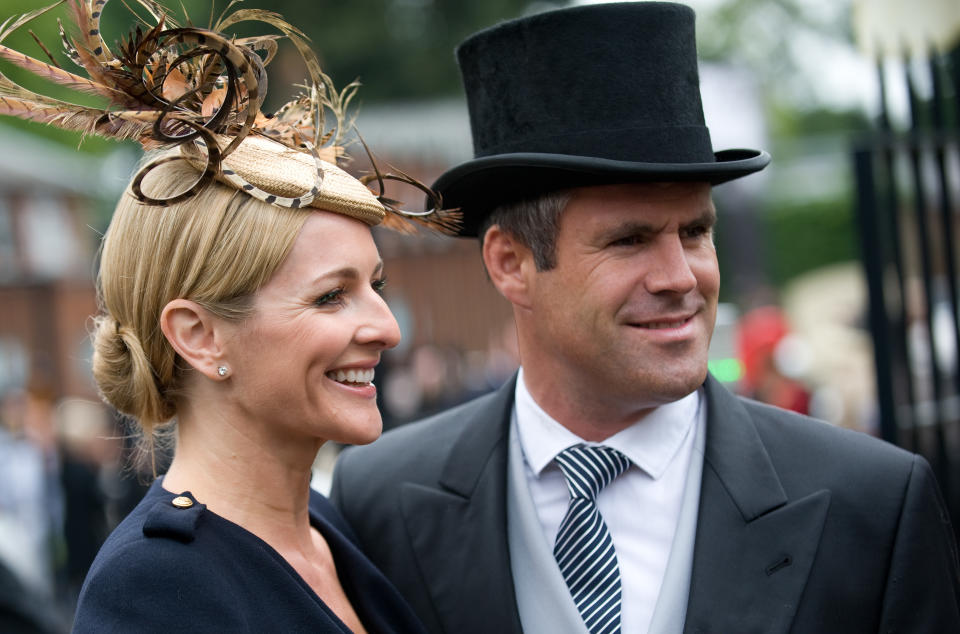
pixel 651 444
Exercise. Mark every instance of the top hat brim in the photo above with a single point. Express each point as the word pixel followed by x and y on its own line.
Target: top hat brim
pixel 477 186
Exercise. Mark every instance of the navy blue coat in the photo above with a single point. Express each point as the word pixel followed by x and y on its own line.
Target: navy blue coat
pixel 168 569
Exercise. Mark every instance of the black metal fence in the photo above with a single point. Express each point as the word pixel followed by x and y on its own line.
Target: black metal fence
pixel 908 185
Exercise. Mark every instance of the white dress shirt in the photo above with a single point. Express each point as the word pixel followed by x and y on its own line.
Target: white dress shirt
pixel 641 508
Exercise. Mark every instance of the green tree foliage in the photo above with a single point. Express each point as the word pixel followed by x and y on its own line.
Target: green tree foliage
pixel 45 30
pixel 399 49
pixel 792 124
pixel 804 235
pixel 773 38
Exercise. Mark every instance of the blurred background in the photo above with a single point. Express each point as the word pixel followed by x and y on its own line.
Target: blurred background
pixel 840 286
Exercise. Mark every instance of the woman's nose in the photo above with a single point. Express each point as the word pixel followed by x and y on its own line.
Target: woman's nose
pixel 380 326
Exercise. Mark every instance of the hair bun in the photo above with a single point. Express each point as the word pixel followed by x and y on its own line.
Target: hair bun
pixel 125 376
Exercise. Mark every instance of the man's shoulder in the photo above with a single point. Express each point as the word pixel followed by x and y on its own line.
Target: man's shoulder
pixel 819 449
pixel 774 422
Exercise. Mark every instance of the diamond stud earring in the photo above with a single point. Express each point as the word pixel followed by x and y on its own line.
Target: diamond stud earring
pixel 222 370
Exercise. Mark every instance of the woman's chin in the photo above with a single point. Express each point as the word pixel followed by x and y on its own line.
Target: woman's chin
pixel 362 434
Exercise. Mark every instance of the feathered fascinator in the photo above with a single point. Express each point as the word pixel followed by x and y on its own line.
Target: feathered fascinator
pixel 199 90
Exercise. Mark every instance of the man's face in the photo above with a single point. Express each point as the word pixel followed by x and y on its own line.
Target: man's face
pixel 623 322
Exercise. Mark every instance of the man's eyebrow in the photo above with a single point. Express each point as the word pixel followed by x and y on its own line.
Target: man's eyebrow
pixel 707 218
pixel 627 228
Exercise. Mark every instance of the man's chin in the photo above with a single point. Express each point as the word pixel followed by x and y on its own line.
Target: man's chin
pixel 669 388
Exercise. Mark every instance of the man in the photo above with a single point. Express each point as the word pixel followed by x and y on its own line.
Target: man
pixel 612 485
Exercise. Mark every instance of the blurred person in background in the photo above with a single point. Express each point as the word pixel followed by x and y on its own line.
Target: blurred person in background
pixel 613 485
pixel 241 318
pixel 21 610
pixel 761 334
pixel 30 503
pixel 29 513
pixel 89 475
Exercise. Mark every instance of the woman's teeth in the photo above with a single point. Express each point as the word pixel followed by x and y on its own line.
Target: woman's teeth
pixel 351 376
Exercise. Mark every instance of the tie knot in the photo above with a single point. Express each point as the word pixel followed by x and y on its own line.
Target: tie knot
pixel 590 468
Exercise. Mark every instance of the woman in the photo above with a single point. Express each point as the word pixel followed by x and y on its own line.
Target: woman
pixel 248 311
pixel 258 328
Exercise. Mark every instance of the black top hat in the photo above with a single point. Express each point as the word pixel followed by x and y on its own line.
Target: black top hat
pixel 605 93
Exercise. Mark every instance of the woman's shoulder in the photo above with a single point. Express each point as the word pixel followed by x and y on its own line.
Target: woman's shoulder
pixel 150 572
pixel 161 520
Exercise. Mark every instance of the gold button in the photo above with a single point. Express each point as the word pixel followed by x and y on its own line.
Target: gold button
pixel 182 502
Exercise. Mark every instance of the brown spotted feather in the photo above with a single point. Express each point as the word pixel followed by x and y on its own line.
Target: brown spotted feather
pixel 170 85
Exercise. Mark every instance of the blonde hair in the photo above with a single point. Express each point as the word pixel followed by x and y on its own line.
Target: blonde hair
pixel 216 248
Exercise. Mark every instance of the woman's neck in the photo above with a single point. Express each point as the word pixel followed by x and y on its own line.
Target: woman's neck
pixel 258 477
pixel 252 476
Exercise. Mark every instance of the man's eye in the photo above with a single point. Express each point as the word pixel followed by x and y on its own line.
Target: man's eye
pixel 627 241
pixel 697 231
pixel 332 297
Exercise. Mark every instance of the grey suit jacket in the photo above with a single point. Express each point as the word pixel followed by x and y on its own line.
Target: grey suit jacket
pixel 803 527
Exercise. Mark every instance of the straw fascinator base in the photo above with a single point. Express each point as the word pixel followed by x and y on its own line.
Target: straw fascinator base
pixel 290 178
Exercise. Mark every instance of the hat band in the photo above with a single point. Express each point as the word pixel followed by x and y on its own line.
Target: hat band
pixel 677 144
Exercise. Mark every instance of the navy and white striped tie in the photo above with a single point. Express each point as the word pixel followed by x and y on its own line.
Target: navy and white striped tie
pixel 584 548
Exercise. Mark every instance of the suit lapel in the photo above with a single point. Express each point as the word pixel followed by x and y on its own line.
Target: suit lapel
pixel 753 553
pixel 754 547
pixel 458 530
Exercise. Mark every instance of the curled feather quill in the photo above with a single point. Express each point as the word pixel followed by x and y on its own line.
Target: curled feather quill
pixel 166 85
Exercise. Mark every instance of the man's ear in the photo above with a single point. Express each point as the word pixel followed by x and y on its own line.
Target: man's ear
pixel 510 265
pixel 192 331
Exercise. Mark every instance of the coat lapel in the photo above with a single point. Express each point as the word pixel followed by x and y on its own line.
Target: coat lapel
pixel 754 547
pixel 463 521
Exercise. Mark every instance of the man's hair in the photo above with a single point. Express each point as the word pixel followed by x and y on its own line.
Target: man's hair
pixel 533 221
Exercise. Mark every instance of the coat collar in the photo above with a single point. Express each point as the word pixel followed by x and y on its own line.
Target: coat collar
pixel 736 455
pixel 754 546
pixel 458 530
pixel 480 442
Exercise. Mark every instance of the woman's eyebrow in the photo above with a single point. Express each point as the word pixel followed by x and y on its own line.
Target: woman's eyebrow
pixel 347 273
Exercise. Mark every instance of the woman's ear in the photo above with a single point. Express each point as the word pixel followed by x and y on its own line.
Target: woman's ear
pixel 192 331
pixel 510 265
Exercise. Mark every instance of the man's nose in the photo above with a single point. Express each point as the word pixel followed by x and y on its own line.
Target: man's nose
pixel 670 270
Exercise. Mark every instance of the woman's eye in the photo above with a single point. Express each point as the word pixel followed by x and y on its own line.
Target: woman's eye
pixel 379 285
pixel 332 297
